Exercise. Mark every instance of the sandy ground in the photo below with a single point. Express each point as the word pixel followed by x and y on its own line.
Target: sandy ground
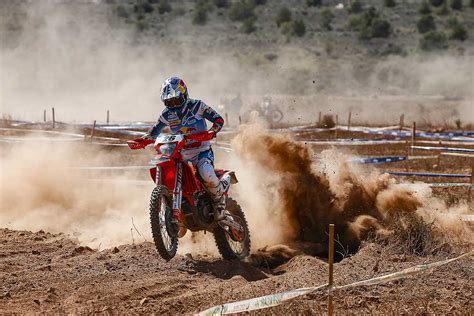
pixel 43 272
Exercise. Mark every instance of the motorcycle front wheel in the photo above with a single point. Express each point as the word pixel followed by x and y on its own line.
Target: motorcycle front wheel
pixel 164 234
pixel 233 248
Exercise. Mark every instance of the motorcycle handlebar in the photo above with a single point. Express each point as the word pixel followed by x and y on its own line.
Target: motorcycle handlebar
pixel 203 136
pixel 139 143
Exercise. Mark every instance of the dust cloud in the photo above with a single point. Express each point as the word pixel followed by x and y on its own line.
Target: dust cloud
pixel 40 191
pixel 303 198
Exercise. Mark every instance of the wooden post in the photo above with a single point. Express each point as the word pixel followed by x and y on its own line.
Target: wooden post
pixel 331 269
pixel 240 120
pixel 93 130
pixel 319 119
pixel 349 121
pixel 472 182
pixel 54 119
pixel 335 128
pixel 227 119
pixel 402 123
pixel 413 137
pixel 108 117
pixel 44 116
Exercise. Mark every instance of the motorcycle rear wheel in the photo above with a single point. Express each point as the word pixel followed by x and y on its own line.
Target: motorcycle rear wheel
pixel 161 212
pixel 228 248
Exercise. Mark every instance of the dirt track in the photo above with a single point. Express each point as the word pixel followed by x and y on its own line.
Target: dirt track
pixel 43 272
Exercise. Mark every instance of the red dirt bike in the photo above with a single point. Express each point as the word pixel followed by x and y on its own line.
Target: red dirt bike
pixel 179 196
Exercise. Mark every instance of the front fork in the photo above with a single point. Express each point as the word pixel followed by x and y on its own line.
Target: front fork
pixel 178 191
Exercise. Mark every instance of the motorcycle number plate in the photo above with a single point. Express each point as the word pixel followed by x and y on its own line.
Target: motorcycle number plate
pixel 168 138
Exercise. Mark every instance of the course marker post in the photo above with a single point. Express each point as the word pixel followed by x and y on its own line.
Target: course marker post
pixel 54 119
pixel 44 116
pixel 472 181
pixel 402 121
pixel 335 128
pixel 240 120
pixel 93 130
pixel 349 121
pixel 413 136
pixel 108 117
pixel 331 269
pixel 319 119
pixel 227 119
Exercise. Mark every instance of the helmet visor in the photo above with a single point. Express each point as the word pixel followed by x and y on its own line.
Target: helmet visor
pixel 174 102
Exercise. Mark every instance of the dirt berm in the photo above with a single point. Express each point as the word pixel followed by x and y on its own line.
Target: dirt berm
pixel 45 273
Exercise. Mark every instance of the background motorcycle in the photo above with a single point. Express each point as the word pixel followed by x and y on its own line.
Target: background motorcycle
pixel 179 195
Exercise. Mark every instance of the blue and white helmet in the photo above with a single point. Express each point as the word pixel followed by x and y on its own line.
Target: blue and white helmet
pixel 174 92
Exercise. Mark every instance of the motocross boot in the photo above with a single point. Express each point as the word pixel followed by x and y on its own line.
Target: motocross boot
pixel 220 197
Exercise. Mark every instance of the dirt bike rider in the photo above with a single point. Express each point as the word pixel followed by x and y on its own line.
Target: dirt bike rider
pixel 187 116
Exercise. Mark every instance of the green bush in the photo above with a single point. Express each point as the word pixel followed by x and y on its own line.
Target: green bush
pixel 291 28
pixel 355 7
pixel 424 8
pixel 471 3
pixel 259 2
pixel 248 26
pixel 221 3
pixel 456 4
pixel 314 3
pixel 458 31
pixel 164 7
pixel 326 18
pixel 425 24
pixel 380 28
pixel 200 15
pixel 241 10
pixel 122 12
pixel 299 28
pixel 283 15
pixel 433 40
pixel 144 7
pixel 444 10
pixel 142 26
pixel 437 3
pixel 390 3
pixel 355 22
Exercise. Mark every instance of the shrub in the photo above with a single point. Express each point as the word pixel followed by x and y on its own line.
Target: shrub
pixel 314 3
pixel 355 22
pixel 326 18
pixel 390 3
pixel 299 28
pixel 355 7
pixel 433 40
pixel 164 7
pixel 142 26
pixel 426 23
pixel 248 26
pixel 200 15
pixel 122 12
pixel 241 10
pixel 458 31
pixel 283 15
pixel 259 2
pixel 456 4
pixel 424 8
pixel 444 10
pixel 471 3
pixel 221 3
pixel 380 28
pixel 437 3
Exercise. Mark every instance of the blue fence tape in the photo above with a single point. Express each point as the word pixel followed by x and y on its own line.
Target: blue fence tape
pixel 464 150
pixel 423 174
pixel 380 160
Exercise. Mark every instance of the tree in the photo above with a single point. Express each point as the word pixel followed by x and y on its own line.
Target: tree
pixel 437 3
pixel 314 3
pixel 424 8
pixel 326 18
pixel 426 23
pixel 456 5
pixel 433 40
pixel 355 7
pixel 283 15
